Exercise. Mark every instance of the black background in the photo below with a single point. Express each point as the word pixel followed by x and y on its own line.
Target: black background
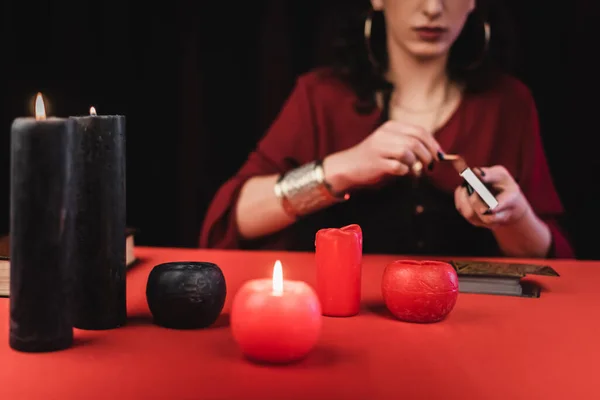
pixel 200 82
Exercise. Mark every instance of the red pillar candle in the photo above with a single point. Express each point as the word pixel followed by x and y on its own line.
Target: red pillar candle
pixel 339 260
pixel 276 321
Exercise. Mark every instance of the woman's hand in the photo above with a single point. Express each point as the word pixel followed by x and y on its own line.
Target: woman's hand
pixel 393 149
pixel 512 204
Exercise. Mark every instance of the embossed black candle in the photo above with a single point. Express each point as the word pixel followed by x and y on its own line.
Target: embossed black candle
pixel 186 294
pixel 98 265
pixel 41 230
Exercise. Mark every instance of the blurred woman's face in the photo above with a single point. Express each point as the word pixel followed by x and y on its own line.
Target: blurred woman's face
pixel 424 28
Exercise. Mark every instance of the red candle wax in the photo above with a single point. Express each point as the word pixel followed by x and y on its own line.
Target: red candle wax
pixel 419 291
pixel 339 260
pixel 276 321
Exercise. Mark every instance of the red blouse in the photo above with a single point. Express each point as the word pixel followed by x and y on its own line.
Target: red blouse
pixel 407 215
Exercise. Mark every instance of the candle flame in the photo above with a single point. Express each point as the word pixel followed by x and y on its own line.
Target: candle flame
pixel 93 111
pixel 277 278
pixel 40 109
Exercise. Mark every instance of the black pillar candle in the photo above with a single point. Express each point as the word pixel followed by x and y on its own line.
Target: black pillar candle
pixel 41 230
pixel 98 265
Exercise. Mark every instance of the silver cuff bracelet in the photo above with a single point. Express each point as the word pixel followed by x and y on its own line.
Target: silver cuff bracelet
pixel 304 190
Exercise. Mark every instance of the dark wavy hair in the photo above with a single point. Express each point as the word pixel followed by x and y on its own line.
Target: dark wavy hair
pixel 467 63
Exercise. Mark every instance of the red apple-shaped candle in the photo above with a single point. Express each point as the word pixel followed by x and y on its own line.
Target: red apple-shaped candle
pixel 420 291
pixel 276 321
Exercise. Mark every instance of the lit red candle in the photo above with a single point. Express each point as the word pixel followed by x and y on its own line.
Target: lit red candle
pixel 276 320
pixel 339 263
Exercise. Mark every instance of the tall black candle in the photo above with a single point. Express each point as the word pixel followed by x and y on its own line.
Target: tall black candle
pixel 98 264
pixel 41 230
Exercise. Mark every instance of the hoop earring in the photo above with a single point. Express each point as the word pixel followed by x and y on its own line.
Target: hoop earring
pixel 487 31
pixel 368 31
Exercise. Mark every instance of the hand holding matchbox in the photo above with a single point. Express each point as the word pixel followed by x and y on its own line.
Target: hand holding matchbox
pixel 471 179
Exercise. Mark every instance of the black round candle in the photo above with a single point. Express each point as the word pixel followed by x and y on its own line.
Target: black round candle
pixel 41 231
pixel 186 294
pixel 98 264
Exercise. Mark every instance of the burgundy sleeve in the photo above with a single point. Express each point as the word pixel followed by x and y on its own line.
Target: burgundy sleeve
pixel 536 183
pixel 289 142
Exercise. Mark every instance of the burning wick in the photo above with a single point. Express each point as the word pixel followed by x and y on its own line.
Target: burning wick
pixel 93 111
pixel 277 279
pixel 40 109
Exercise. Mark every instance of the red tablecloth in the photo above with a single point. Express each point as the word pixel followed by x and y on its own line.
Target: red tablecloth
pixel 490 347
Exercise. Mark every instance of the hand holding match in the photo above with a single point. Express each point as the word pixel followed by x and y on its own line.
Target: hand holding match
pixel 471 179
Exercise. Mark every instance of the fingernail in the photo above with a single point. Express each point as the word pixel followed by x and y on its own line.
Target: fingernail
pixel 431 165
pixel 470 190
pixel 481 171
pixel 440 155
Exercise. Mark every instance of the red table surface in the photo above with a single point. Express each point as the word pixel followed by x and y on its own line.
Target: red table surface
pixel 490 347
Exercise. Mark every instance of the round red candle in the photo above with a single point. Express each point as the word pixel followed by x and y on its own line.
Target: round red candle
pixel 339 258
pixel 276 321
pixel 420 291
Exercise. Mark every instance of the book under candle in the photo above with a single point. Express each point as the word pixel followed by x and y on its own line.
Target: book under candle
pixel 130 259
